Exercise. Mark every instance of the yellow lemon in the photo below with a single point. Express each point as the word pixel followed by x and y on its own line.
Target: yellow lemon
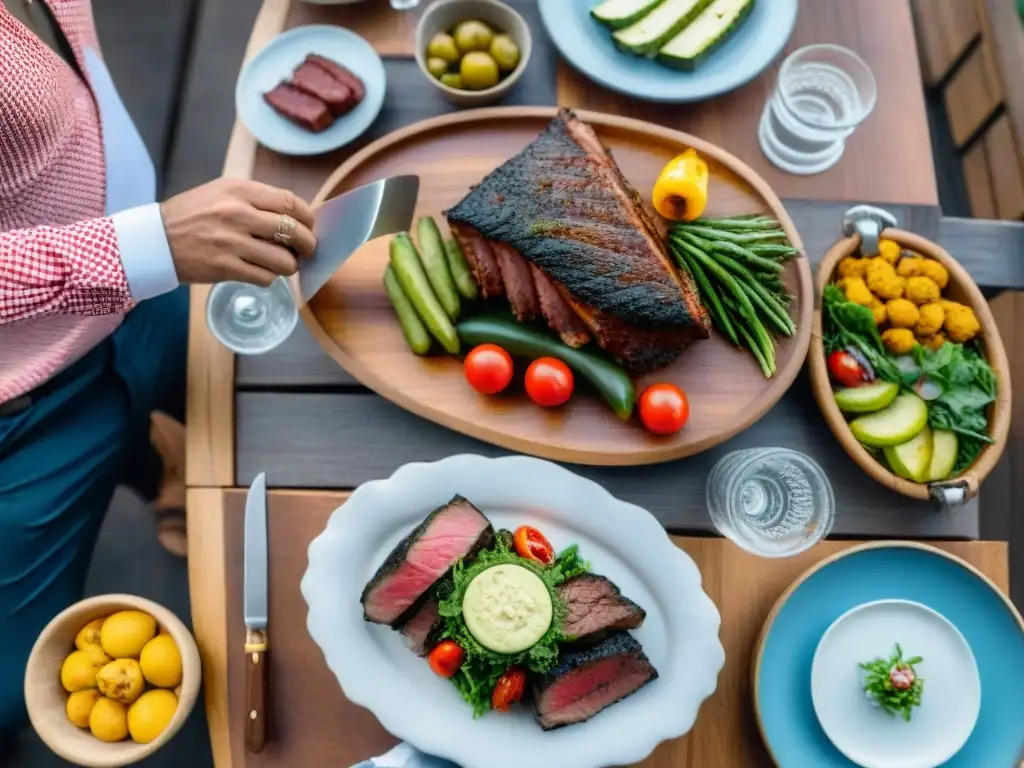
pixel 108 720
pixel 78 672
pixel 89 634
pixel 125 633
pixel 79 706
pixel 151 714
pixel 161 662
pixel 121 680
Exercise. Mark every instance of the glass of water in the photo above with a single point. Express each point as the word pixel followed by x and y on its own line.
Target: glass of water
pixel 772 502
pixel 251 320
pixel 824 92
pixel 404 5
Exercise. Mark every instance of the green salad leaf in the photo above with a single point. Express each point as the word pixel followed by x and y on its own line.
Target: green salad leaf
pixel 878 685
pixel 848 324
pixel 482 667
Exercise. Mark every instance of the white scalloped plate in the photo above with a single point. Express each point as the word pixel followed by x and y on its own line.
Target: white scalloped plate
pixel 623 542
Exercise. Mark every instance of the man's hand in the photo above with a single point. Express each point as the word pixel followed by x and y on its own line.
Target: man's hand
pixel 224 230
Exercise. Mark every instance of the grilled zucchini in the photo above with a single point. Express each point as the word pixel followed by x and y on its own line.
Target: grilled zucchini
pixel 646 36
pixel 688 49
pixel 616 14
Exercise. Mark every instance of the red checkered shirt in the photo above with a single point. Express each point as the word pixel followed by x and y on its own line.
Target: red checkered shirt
pixel 63 286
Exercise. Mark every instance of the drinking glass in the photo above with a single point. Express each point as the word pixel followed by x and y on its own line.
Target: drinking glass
pixel 773 502
pixel 251 320
pixel 824 92
pixel 404 5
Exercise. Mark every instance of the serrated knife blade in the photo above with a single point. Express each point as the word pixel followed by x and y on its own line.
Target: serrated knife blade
pixel 255 611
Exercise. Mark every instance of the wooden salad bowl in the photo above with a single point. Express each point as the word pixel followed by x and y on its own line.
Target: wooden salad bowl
pixel 962 289
pixel 353 321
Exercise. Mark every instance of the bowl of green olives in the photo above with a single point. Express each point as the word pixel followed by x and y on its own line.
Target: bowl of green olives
pixel 473 51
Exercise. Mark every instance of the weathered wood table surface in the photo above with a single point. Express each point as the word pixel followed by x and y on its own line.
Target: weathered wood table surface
pixel 316 432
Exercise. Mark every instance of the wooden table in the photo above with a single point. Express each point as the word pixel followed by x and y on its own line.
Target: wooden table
pixel 296 414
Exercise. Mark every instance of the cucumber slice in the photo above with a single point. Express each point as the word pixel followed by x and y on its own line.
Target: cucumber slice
pixel 867 398
pixel 943 454
pixel 646 36
pixel 912 460
pixel 900 422
pixel 688 49
pixel 616 14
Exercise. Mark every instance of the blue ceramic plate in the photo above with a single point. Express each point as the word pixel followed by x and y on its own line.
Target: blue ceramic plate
pixel 993 629
pixel 276 63
pixel 588 46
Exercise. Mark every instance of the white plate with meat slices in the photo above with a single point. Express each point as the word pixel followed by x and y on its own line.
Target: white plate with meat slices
pixel 623 543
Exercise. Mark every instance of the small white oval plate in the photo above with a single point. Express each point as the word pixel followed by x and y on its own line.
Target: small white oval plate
pixel 278 60
pixel 866 733
pixel 621 540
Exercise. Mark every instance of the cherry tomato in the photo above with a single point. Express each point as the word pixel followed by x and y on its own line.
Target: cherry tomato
pixel 531 544
pixel 509 689
pixel 845 369
pixel 488 368
pixel 664 408
pixel 446 658
pixel 548 381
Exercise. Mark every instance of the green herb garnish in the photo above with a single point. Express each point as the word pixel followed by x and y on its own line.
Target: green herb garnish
pixel 894 683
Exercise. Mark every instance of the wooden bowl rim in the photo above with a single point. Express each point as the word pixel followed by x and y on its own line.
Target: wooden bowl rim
pixel 116 754
pixel 775 388
pixel 995 354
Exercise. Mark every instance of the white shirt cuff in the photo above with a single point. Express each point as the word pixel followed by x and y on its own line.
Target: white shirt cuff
pixel 145 253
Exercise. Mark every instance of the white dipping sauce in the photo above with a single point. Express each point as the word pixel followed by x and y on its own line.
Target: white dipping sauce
pixel 507 608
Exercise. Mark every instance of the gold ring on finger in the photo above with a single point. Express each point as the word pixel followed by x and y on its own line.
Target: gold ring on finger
pixel 285 227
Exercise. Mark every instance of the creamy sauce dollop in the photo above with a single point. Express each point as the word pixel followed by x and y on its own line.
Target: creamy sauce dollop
pixel 507 608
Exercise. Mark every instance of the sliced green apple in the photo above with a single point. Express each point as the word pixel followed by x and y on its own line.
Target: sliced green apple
pixel 944 453
pixel 913 459
pixel 901 421
pixel 867 398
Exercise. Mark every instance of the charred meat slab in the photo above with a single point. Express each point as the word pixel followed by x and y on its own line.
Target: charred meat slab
pixel 482 261
pixel 519 287
pixel 299 107
pixel 449 533
pixel 563 204
pixel 595 608
pixel 343 75
pixel 422 631
pixel 589 679
pixel 556 310
pixel 315 81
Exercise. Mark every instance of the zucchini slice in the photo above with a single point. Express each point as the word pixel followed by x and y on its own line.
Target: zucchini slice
pixel 650 33
pixel 616 14
pixel 688 49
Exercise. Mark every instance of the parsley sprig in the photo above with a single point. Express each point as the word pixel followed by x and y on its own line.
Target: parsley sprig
pixel 878 683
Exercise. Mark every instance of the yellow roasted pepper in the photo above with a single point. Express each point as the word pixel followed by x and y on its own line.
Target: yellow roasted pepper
pixel 681 191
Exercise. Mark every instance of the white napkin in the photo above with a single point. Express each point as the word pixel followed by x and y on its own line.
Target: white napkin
pixel 405 756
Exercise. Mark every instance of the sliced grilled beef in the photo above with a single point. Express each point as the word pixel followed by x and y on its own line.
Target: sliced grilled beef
pixel 596 607
pixel 449 533
pixel 589 679
pixel 420 633
pixel 556 310
pixel 518 282
pixel 299 107
pixel 482 261
pixel 315 81
pixel 341 74
pixel 563 204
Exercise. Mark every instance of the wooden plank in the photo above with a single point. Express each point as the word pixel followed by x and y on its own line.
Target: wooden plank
pixel 316 725
pixel 973 95
pixel 881 31
pixel 342 440
pixel 206 583
pixel 1001 26
pixel 978 180
pixel 988 249
pixel 944 32
pixel 1005 168
pixel 391 32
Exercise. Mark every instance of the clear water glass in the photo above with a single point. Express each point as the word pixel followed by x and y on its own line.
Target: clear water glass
pixel 823 93
pixel 404 5
pixel 772 502
pixel 251 320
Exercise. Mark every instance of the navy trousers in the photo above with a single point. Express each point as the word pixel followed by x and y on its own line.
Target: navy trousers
pixel 85 432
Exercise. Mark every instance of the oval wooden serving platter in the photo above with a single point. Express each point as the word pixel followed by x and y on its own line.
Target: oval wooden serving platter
pixel 961 288
pixel 353 321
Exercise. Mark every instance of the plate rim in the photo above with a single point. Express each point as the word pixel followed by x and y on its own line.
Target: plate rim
pixel 622 752
pixel 867 546
pixel 886 601
pixel 613 84
pixel 285 36
pixel 777 386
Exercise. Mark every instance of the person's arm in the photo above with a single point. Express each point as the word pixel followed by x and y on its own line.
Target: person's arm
pixel 218 231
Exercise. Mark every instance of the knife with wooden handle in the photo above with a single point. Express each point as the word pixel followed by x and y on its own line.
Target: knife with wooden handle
pixel 254 597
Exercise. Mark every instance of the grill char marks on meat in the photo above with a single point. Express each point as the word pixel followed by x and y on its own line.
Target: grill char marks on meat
pixel 556 310
pixel 595 608
pixel 316 81
pixel 456 530
pixel 482 261
pixel 587 680
pixel 341 74
pixel 421 632
pixel 299 107
pixel 518 282
pixel 563 205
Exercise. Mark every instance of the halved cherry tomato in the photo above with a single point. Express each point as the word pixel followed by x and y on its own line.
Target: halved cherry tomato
pixel 845 369
pixel 549 381
pixel 509 689
pixel 488 368
pixel 531 544
pixel 446 658
pixel 664 408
